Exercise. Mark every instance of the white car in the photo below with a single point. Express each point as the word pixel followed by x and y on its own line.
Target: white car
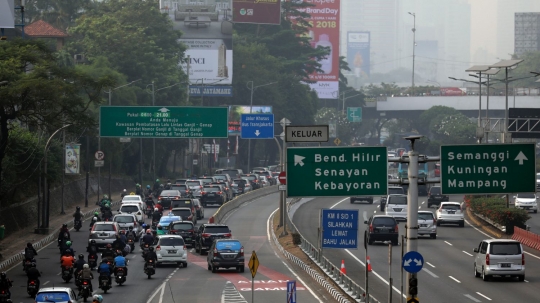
pixel 526 201
pixel 132 208
pixel 56 294
pixel 538 180
pixel 133 199
pixel 396 206
pixel 171 249
pixel 450 212
pixel 264 181
pixel 127 220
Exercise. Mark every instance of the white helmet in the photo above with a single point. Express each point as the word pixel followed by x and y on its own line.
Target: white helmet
pixel 86 266
pixel 156 209
pixel 98 298
pixel 124 190
pixel 94 219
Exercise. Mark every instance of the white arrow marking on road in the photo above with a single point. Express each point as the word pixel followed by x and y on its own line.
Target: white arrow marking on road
pixel 407 263
pixel 257 133
pixel 520 157
pixel 298 160
pixel 418 262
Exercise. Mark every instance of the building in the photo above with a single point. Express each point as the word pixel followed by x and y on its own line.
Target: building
pixel 506 10
pixel 526 33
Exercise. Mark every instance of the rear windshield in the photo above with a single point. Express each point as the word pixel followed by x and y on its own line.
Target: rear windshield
pixel 425 216
pixel 181 226
pixel 52 297
pixel 240 181
pixel 250 177
pixel 212 189
pixel 193 183
pixel 182 212
pixel 435 190
pixel 220 177
pixel 217 229
pixel 206 180
pixel 228 246
pixel 231 173
pixel 181 203
pixel 103 227
pixel 505 249
pixel 451 206
pixel 179 187
pixel 124 219
pixel 398 200
pixel 129 209
pixel 395 191
pixel 171 242
pixel 384 221
pixel 526 196
pixel 169 193
pixel 131 199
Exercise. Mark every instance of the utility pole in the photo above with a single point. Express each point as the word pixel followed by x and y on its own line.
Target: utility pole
pixel 414 48
pixel 412 209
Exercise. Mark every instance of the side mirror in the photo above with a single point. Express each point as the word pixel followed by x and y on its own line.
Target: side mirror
pixel 475 250
pixel 365 222
pixel 514 197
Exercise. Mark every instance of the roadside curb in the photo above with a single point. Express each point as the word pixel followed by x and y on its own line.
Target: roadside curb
pixel 483 225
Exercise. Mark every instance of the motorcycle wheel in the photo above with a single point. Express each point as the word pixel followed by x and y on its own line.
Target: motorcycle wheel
pixel 105 290
pixel 77 228
pixel 149 276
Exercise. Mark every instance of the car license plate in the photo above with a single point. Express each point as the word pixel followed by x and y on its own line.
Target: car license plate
pixel 211 194
pixel 423 225
pixel 171 251
pixel 187 239
pixel 438 198
pixel 505 265
pixel 383 230
pixel 451 212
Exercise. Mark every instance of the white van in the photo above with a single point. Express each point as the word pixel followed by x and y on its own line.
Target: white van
pixel 499 257
pixel 396 206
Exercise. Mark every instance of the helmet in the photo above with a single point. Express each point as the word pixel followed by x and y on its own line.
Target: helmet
pixel 147 186
pixel 33 264
pixel 68 243
pixel 148 231
pixel 93 242
pixel 137 185
pixel 64 225
pixel 144 225
pixel 161 185
pixel 168 180
pixel 98 298
pixel 131 228
pixel 29 245
pixel 85 266
pixel 3 275
pixel 94 219
pixel 157 180
pixel 81 256
pixel 105 197
pixel 96 214
pixel 158 202
pixel 151 248
pixel 124 190
pixel 109 245
pixel 156 209
pixel 78 208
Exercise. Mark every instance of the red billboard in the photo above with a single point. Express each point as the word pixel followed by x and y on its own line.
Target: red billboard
pixel 257 11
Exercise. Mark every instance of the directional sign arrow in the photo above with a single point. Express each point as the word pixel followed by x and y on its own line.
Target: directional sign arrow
pixel 164 110
pixel 418 262
pixel 520 157
pixel 298 160
pixel 407 263
pixel 257 133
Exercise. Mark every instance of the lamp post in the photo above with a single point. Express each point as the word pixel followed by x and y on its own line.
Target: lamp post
pixel 252 89
pixel 343 109
pixel 283 203
pixel 153 139
pixel 414 47
pixel 479 69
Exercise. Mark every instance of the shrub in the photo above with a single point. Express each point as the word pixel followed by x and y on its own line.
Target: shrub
pixel 495 209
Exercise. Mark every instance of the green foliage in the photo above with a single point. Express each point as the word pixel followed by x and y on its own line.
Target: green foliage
pixel 495 209
pixel 346 131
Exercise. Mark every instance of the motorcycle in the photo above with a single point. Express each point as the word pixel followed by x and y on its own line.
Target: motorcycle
pixel 27 264
pixel 150 269
pixel 145 250
pixel 4 296
pixel 120 276
pixel 32 288
pixel 67 273
pixel 85 290
pixel 77 224
pixel 104 283
pixel 149 211
pixel 92 260
pixel 131 243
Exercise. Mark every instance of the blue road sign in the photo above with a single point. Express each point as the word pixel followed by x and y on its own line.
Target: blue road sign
pixel 340 228
pixel 291 291
pixel 412 262
pixel 257 126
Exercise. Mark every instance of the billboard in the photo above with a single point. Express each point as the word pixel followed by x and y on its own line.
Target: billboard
pixel 257 11
pixel 358 46
pixel 236 111
pixel 324 32
pixel 7 14
pixel 73 158
pixel 207 33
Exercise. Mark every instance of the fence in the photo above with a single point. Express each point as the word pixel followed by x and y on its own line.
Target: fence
pixel 526 237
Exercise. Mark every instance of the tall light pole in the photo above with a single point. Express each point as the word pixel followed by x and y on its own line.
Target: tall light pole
pixel 479 69
pixel 252 89
pixel 414 48
pixel 153 139
pixel 343 109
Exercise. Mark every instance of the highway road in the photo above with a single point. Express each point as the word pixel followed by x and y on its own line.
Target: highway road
pixel 447 275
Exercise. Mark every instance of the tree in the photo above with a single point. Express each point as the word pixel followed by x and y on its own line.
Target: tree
pixel 424 122
pixel 40 94
pixel 346 131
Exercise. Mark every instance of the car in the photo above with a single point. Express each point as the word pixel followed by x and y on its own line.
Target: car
pixel 141 204
pixel 195 186
pixel 127 220
pixel 427 224
pixel 227 189
pixel 166 196
pixel 213 194
pixel 207 179
pixel 207 233
pixel 267 174
pixel 226 253
pixel 183 189
pixel 180 181
pixel 224 177
pixel 258 168
pixel 199 208
pixel 537 180
pixel 382 228
pixel 499 257
pixel 392 190
pixel 435 197
pixel 242 186
pixel 264 181
pixel 171 249
pixel 184 213
pixel 132 198
pixel 450 212
pixel 186 229
pixel 104 233
pixel 526 201
pixel 132 208
pixel 253 179
pixel 184 202
pixel 166 220
pixel 56 294
pixel 232 172
pixel 367 199
pixel 396 206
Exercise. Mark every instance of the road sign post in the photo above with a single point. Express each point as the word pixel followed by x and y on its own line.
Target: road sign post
pixel 354 114
pixel 339 228
pixel 253 266
pixel 412 262
pixel 291 291
pixel 257 126
pixel 306 133
pixel 488 168
pixel 336 171
pixel 282 178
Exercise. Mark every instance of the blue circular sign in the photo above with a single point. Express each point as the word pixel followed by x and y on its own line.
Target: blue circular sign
pixel 412 262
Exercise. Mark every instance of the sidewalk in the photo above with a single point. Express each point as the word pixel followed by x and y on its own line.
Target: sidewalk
pixel 16 242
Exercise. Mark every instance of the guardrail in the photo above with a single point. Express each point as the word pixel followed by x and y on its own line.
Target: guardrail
pixel 226 208
pixel 526 237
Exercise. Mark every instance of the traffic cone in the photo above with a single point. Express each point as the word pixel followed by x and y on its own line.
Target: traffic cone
pixel 343 270
pixel 368 262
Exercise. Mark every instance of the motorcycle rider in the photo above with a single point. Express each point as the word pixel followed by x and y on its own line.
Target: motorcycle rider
pixel 5 284
pixel 159 207
pixel 148 238
pixel 67 260
pixel 105 270
pixel 119 243
pixel 156 186
pixel 33 274
pixel 86 274
pixel 63 236
pixel 138 190
pixel 79 266
pixel 131 234
pixel 107 254
pixel 120 261
pixel 160 230
pixel 151 255
pixel 68 249
pixel 77 215
pixel 156 216
pixel 29 253
pixel 95 219
pixel 168 186
pixel 105 200
pixel 124 193
pixel 148 192
pixel 92 247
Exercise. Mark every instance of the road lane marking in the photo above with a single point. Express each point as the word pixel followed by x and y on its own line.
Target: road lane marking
pixel 231 294
pixel 448 243
pixel 429 272
pixel 454 279
pixel 162 291
pixel 472 298
pixel 483 296
pixel 338 203
pixel 526 281
pixel 430 264
pixel 467 253
pixel 46 282
pixel 155 292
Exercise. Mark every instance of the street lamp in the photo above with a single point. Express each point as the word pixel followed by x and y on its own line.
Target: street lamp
pixel 283 198
pixel 414 47
pixel 479 69
pixel 252 89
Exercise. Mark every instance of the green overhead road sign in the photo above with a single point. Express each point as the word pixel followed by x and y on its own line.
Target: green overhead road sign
pixel 354 114
pixel 488 169
pixel 163 122
pixel 336 171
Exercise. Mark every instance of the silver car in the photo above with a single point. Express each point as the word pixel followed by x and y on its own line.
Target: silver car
pixel 104 233
pixel 499 257
pixel 427 225
pixel 396 206
pixel 450 212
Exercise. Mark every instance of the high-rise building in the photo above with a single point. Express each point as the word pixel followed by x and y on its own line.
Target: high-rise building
pixel 526 33
pixel 506 10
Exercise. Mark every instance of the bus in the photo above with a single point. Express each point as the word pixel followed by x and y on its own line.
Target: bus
pixel 403 170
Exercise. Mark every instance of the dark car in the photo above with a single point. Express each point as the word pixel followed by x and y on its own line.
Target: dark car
pixel 183 202
pixel 253 179
pixel 167 196
pixel 226 253
pixel 207 233
pixel 213 194
pixel 207 179
pixel 382 228
pixel 435 197
pixel 185 214
pixel 183 189
pixel 392 190
pixel 199 209
pixel 226 188
pixel 242 186
pixel 186 229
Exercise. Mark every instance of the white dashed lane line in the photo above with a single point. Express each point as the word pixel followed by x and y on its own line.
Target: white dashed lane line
pixel 467 253
pixel 429 272
pixel 472 298
pixel 483 296
pixel 448 243
pixel 430 264
pixel 454 279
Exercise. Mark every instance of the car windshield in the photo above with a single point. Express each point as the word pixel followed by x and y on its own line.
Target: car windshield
pixel 182 212
pixel 251 178
pixel 217 229
pixel 53 297
pixel 234 246
pixel 171 242
pixel 220 177
pixel 182 226
pixel 397 200
pixel 169 193
pixel 179 187
pixel 240 181
pixel 129 209
pixel 526 196
pixel 384 221
pixel 123 219
pixel 103 227
pixel 451 206
pixel 207 180
pixel 181 203
pixel 435 190
pixel 193 183
pixel 505 248
pixel 394 191
pixel 211 189
pixel 425 216
pixel 131 199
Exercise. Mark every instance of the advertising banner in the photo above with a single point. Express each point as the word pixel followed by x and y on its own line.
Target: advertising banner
pixel 235 114
pixel 324 32
pixel 7 14
pixel 210 91
pixel 73 156
pixel 257 11
pixel 207 33
pixel 358 45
